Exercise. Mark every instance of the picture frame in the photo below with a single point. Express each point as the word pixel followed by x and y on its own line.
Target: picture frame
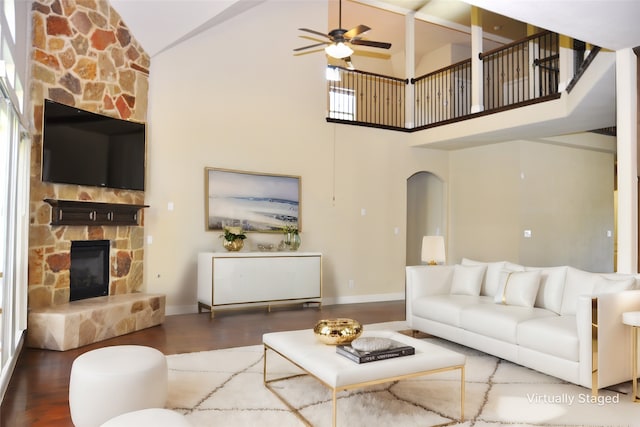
pixel 255 201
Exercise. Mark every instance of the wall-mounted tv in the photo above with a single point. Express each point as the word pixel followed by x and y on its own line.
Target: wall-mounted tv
pixel 85 148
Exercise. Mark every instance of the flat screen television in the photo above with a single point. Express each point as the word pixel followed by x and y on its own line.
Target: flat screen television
pixel 85 148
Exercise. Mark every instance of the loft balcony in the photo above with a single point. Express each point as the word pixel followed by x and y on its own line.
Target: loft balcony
pixel 543 85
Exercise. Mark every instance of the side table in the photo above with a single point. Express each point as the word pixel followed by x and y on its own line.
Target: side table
pixel 632 318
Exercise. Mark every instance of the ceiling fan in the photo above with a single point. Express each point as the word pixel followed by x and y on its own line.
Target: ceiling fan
pixel 339 39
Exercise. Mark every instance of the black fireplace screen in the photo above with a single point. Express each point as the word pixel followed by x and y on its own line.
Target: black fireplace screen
pixel 89 269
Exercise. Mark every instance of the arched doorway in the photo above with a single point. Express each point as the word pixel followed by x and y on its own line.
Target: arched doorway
pixel 426 212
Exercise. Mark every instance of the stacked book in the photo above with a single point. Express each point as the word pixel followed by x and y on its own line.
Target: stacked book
pixel 395 349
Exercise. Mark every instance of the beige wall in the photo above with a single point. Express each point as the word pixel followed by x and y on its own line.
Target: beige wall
pixel 567 201
pixel 485 215
pixel 264 111
pixel 442 57
pixel 564 195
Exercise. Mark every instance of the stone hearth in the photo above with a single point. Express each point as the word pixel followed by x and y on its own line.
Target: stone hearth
pixel 83 322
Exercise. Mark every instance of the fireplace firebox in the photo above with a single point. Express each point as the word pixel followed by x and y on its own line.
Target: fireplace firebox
pixel 89 272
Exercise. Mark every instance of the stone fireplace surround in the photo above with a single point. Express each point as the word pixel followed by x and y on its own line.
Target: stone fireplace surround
pixel 63 325
pixel 83 55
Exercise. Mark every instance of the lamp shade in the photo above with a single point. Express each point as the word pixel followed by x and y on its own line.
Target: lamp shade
pixel 338 50
pixel 433 250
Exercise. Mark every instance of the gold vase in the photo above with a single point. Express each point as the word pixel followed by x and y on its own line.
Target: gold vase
pixel 337 331
pixel 233 245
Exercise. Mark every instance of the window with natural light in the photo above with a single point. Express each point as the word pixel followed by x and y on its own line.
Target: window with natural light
pixel 342 103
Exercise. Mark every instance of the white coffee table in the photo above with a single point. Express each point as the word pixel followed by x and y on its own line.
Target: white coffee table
pixel 339 373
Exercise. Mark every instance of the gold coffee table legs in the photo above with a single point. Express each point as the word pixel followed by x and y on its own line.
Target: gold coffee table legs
pixel 335 390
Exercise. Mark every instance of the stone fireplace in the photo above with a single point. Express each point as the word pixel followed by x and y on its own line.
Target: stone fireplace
pixel 83 55
pixel 55 321
pixel 50 259
pixel 89 269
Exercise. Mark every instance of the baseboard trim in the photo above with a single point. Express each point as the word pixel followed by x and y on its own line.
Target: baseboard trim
pixel 171 310
pixel 357 299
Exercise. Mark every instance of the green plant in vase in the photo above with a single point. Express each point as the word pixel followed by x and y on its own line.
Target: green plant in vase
pixel 291 237
pixel 233 238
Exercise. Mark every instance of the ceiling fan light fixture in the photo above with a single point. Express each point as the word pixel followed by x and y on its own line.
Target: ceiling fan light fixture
pixel 338 50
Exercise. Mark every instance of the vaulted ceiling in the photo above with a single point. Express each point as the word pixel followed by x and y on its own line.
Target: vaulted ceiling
pixel 161 24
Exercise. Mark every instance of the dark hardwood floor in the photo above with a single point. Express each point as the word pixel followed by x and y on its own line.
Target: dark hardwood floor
pixel 38 392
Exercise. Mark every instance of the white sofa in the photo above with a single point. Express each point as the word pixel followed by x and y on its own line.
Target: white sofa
pixel 561 321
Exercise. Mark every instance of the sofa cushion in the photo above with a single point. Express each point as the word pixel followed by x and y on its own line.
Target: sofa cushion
pixel 609 285
pixel 557 335
pixel 491 279
pixel 445 308
pixel 551 287
pixel 518 288
pixel 623 276
pixel 580 282
pixel 467 279
pixel 499 321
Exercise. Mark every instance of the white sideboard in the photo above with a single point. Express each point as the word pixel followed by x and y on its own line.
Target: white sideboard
pixel 244 279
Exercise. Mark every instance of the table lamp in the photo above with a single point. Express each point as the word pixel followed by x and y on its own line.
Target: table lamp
pixel 433 250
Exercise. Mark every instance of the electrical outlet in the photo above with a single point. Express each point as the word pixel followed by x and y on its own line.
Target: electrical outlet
pixel 527 233
pixel 352 284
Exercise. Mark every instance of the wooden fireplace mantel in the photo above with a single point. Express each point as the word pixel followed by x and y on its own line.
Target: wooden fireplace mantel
pixel 74 212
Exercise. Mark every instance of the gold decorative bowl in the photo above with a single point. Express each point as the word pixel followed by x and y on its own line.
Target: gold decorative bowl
pixel 337 331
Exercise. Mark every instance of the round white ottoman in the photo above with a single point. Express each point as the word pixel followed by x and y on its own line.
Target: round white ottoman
pixel 153 417
pixel 114 380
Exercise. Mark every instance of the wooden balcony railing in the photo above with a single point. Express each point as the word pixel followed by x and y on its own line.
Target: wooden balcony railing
pixel 514 75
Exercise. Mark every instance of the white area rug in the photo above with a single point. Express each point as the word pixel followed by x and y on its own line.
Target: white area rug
pixel 225 388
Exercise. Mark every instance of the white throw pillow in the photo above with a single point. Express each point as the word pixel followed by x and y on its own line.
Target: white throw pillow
pixel 578 282
pixel 551 288
pixel 605 285
pixel 518 288
pixel 467 279
pixel 492 276
pixel 514 267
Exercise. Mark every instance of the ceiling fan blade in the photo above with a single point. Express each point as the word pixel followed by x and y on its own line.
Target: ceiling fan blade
pixel 310 46
pixel 382 45
pixel 314 32
pixel 354 32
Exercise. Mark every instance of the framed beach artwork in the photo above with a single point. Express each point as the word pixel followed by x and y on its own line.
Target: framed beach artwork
pixel 255 201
